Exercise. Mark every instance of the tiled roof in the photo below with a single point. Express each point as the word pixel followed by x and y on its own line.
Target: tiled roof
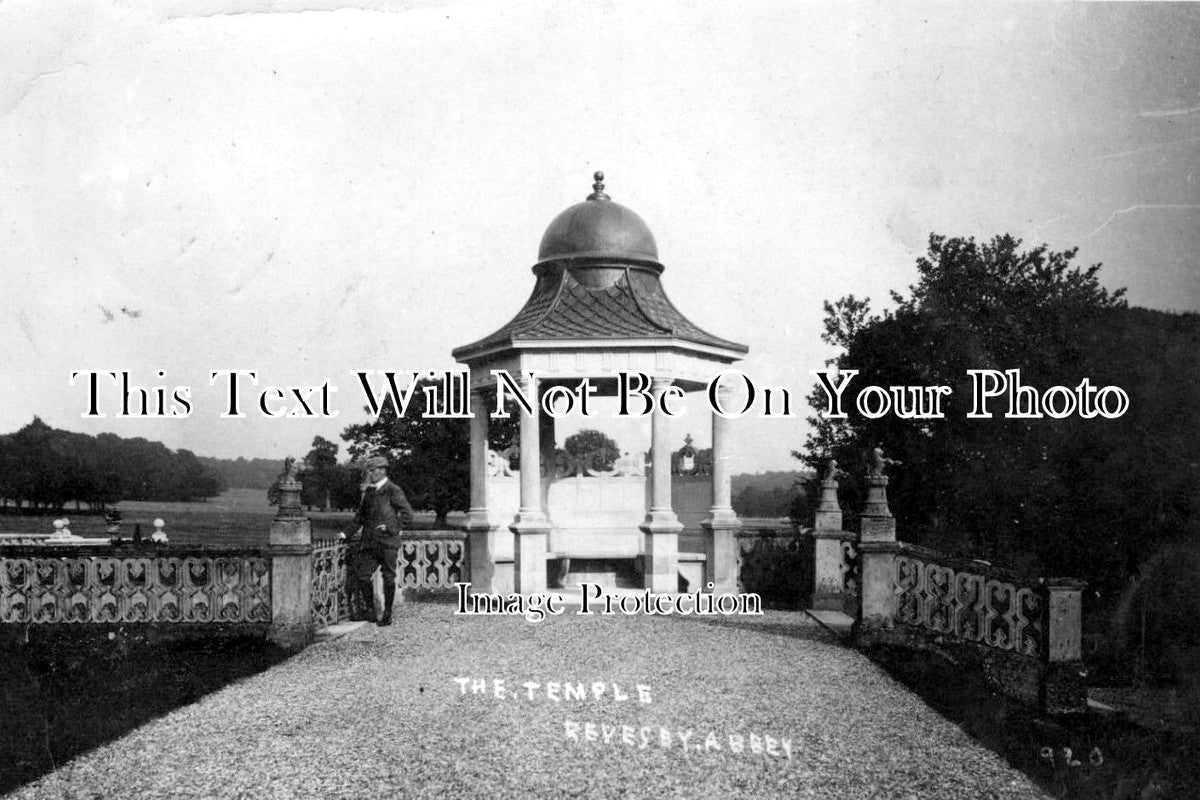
pixel 635 307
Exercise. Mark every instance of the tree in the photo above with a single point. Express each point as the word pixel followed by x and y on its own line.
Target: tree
pixel 345 488
pixel 1060 496
pixel 318 480
pixel 776 501
pixel 592 448
pixel 46 468
pixel 429 456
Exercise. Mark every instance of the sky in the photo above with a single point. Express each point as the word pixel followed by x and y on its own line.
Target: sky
pixel 310 189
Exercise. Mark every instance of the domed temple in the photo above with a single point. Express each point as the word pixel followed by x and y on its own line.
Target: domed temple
pixel 599 310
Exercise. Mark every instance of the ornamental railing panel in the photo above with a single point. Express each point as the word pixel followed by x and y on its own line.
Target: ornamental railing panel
pixel 432 560
pixel 330 600
pixel 969 601
pixel 851 570
pixel 72 587
pixel 850 567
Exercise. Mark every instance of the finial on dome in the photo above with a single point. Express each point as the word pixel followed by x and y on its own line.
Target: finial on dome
pixel 598 188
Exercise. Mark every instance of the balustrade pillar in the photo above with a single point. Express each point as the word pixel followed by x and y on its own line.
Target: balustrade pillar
pixel 877 550
pixel 1063 686
pixel 547 446
pixel 531 527
pixel 479 455
pixel 721 527
pixel 662 526
pixel 828 578
pixel 290 542
pixel 481 546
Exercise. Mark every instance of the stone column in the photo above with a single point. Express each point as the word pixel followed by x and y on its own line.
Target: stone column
pixel 721 545
pixel 530 527
pixel 877 550
pixel 547 447
pixel 290 542
pixel 1063 688
pixel 480 549
pixel 828 591
pixel 661 527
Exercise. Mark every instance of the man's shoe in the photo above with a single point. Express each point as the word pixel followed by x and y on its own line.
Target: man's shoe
pixel 385 620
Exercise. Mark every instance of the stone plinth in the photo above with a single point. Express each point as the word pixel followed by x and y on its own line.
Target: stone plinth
pixel 530 533
pixel 291 582
pixel 876 593
pixel 825 543
pixel 491 559
pixel 1064 685
pixel 828 592
pixel 661 552
pixel 721 552
pixel 877 550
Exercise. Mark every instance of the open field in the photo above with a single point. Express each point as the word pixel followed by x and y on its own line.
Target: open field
pixel 237 517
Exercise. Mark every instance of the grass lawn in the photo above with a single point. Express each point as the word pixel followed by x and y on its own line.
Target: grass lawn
pixel 237 517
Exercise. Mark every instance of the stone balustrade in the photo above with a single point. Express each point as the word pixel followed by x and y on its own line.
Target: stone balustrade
pixel 1024 633
pixel 972 601
pixel 432 560
pixel 49 579
pixel 102 583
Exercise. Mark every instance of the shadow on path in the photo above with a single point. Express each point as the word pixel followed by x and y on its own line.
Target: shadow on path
pixel 797 626
pixel 67 692
pixel 1088 756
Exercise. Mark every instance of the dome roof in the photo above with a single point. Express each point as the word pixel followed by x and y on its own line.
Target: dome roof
pixel 598 228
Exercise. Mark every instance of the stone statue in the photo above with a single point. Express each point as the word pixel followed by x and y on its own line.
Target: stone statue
pixel 289 480
pixel 879 462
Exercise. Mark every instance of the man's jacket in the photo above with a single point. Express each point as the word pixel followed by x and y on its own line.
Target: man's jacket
pixel 385 506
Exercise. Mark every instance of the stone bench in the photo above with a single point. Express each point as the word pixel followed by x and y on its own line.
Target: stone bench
pixel 618 569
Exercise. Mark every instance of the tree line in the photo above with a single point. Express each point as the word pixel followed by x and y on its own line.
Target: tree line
pixel 43 468
pixel 245 473
pixel 1089 498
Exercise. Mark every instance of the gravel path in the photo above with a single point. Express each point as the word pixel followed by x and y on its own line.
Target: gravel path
pixel 379 713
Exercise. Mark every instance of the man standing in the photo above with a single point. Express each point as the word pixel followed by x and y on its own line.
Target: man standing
pixel 383 512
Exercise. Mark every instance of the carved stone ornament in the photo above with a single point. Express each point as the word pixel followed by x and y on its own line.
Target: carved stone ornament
pixel 879 462
pixel 285 493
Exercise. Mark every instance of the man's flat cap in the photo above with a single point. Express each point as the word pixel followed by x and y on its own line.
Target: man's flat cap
pixel 376 461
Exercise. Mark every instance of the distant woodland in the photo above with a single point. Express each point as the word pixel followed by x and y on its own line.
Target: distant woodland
pixel 245 473
pixel 770 494
pixel 43 469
